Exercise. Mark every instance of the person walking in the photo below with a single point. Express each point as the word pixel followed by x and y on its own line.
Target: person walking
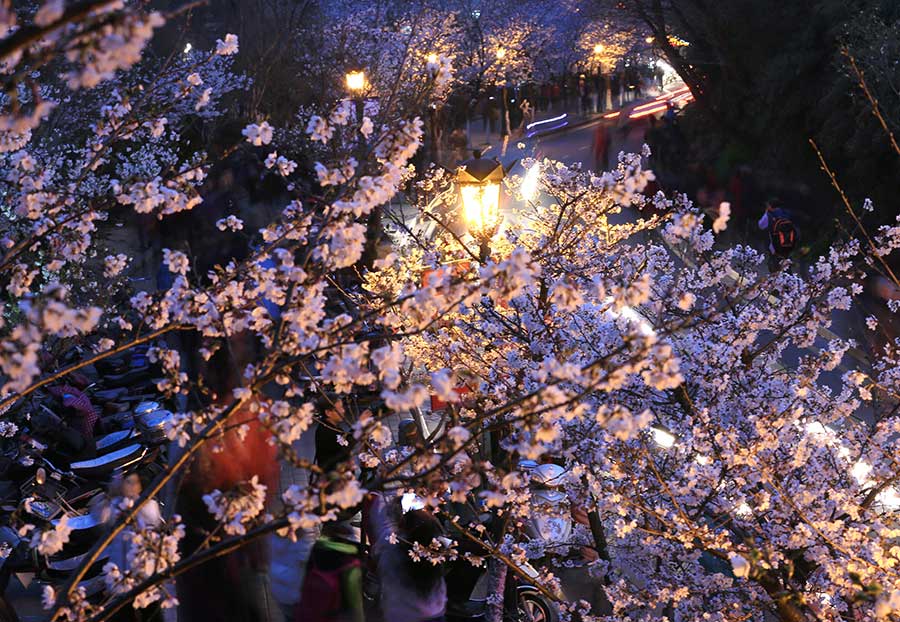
pixel 783 233
pixel 527 114
pixel 332 587
pixel 601 147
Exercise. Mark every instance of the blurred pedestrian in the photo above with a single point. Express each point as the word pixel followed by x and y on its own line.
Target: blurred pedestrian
pixel 601 147
pixel 527 113
pixel 332 586
pixel 123 492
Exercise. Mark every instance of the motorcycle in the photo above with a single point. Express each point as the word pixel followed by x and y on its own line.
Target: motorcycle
pixel 468 585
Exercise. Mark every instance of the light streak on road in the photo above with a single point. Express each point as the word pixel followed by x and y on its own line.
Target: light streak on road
pixel 551 120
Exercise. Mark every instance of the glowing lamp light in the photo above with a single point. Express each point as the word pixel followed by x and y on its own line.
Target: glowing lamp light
pixel 664 439
pixel 649 39
pixel 188 48
pixel 479 190
pixel 889 499
pixel 743 510
pixel 481 206
pixel 530 182
pixel 432 58
pixel 501 53
pixel 598 49
pixel 356 81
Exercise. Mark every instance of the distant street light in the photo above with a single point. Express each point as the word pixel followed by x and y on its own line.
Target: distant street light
pixel 479 190
pixel 433 68
pixel 649 39
pixel 598 50
pixel 356 81
pixel 356 84
pixel 504 105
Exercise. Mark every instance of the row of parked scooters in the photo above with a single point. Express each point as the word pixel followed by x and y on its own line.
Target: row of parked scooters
pixel 104 422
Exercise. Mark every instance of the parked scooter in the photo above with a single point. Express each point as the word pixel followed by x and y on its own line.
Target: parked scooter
pixel 550 521
pixel 467 590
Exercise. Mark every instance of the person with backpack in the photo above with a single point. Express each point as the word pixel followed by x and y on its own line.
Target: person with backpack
pixel 332 587
pixel 783 233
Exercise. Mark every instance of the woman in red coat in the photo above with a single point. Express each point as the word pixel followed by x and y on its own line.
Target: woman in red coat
pixel 234 587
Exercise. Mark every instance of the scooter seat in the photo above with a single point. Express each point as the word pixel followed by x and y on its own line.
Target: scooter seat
pixel 106 395
pixel 80 522
pixel 112 439
pixel 68 564
pixel 467 609
pixel 107 463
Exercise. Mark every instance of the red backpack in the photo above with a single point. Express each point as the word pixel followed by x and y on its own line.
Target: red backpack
pixel 784 236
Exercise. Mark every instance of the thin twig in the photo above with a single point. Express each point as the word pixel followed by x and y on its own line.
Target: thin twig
pixel 837 186
pixel 876 109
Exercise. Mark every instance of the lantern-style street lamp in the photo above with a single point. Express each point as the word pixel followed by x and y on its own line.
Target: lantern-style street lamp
pixel 479 190
pixel 356 81
pixel 356 84
pixel 598 51
pixel 433 68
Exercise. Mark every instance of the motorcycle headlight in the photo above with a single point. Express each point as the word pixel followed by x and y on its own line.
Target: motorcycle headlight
pixel 411 501
pixel 42 509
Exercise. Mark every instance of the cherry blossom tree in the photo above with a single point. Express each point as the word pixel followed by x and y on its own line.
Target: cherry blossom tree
pixel 725 481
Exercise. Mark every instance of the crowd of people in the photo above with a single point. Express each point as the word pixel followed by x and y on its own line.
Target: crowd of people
pixel 576 93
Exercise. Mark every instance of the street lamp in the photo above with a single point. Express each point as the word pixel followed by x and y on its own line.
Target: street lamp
pixel 479 190
pixel 504 107
pixel 433 68
pixel 356 81
pixel 606 104
pixel 356 84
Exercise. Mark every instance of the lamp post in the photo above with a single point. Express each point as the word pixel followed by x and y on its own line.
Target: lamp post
pixel 607 99
pixel 356 85
pixel 504 109
pixel 479 180
pixel 433 68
